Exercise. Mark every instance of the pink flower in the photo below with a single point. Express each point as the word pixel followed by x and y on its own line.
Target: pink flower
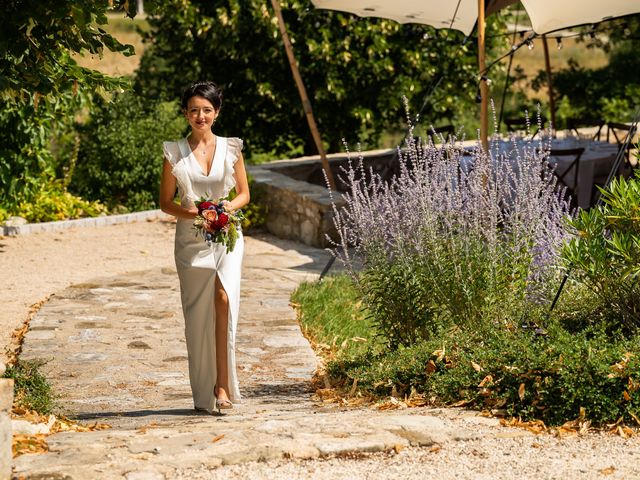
pixel 210 218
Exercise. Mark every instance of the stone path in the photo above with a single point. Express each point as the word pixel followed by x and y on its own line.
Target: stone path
pixel 116 353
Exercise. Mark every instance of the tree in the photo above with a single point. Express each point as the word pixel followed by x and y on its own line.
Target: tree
pixel 37 38
pixel 611 92
pixel 42 88
pixel 355 69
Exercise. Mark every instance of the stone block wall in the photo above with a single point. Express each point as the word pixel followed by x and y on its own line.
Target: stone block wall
pixel 297 198
pixel 297 210
pixel 6 400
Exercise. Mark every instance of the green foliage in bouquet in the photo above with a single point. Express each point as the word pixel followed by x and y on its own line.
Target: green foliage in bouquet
pixel 605 253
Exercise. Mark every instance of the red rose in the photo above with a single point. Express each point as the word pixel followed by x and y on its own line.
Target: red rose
pixel 222 220
pixel 204 206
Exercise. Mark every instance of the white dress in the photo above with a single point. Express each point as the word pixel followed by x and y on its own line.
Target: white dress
pixel 198 264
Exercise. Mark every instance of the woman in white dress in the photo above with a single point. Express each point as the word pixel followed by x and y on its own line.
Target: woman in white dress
pixel 205 165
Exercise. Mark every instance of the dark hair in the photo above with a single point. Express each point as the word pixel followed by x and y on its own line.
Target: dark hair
pixel 205 89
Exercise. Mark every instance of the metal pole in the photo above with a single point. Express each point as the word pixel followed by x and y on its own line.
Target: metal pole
pixel 547 65
pixel 484 89
pixel 306 104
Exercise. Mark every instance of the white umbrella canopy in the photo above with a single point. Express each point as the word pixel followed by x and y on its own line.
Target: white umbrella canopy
pixel 545 15
pixel 437 13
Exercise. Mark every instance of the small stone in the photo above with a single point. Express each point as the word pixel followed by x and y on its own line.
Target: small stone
pixel 22 427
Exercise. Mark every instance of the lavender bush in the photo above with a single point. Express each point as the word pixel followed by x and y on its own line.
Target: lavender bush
pixel 454 238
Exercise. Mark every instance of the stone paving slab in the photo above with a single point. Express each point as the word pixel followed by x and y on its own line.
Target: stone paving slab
pixel 116 353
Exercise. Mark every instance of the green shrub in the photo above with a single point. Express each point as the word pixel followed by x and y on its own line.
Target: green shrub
pixel 443 246
pixel 400 301
pixel 605 254
pixel 52 202
pixel 31 389
pixel 552 377
pixel 120 158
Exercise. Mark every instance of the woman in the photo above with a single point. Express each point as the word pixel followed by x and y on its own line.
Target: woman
pixel 205 165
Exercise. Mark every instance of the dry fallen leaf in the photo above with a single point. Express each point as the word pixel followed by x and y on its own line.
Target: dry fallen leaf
pixel 521 391
pixel 217 438
pixel 534 426
pixel 22 444
pixel 439 354
pixel 476 367
pixel 486 380
pixel 431 367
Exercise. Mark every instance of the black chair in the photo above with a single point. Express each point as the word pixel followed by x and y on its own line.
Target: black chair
pixel 520 124
pixel 626 170
pixel 576 124
pixel 619 132
pixel 564 172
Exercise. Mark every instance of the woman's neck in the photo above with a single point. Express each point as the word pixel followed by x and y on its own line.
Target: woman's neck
pixel 205 137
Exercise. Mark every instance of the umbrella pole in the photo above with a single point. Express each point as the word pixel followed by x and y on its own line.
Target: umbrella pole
pixel 306 104
pixel 484 89
pixel 547 65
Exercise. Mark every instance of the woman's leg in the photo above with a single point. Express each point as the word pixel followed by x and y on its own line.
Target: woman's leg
pixel 222 327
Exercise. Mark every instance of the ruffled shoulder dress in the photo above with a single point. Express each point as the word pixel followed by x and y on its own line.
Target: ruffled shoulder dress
pixel 198 264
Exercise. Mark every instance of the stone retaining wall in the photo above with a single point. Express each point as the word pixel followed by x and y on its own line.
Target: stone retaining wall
pixel 22 228
pixel 298 203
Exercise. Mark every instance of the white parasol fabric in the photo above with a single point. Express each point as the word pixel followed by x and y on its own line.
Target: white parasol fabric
pixel 545 15
pixel 438 13
pixel 550 15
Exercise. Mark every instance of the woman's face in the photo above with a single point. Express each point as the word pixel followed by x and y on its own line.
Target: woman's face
pixel 200 114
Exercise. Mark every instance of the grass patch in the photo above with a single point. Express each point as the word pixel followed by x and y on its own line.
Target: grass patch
pixel 575 370
pixel 31 390
pixel 332 315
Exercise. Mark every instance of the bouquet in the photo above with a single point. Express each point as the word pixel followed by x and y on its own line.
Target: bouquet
pixel 216 225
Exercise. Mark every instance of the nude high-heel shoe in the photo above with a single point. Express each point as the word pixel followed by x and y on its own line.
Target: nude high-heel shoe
pixel 221 404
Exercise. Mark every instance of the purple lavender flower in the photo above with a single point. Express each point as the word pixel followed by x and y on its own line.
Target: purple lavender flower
pixel 482 228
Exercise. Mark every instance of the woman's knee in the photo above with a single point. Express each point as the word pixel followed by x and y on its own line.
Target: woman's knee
pixel 221 296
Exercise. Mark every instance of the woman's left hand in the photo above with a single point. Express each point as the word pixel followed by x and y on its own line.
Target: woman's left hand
pixel 227 206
